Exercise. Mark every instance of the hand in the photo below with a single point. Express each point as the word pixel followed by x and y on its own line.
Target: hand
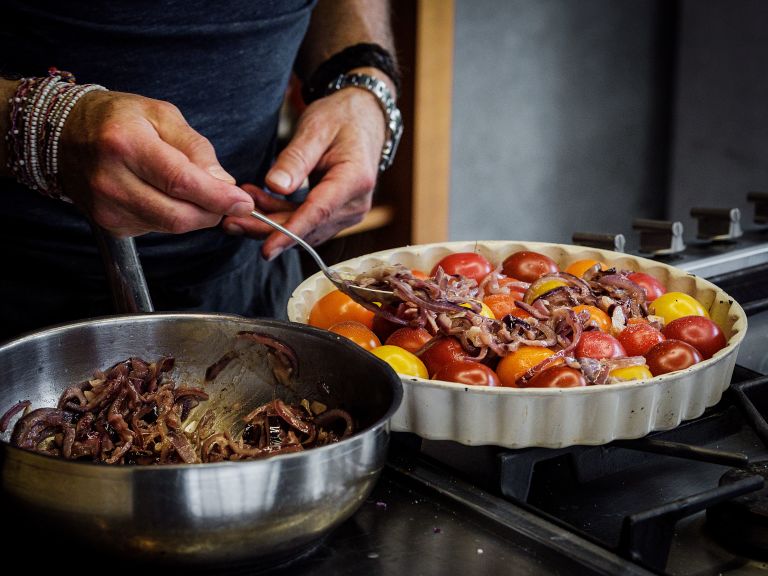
pixel 136 166
pixel 339 138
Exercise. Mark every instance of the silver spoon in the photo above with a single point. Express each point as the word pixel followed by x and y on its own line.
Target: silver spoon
pixel 366 294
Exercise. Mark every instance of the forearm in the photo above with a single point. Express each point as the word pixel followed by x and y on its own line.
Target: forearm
pixel 7 89
pixel 337 24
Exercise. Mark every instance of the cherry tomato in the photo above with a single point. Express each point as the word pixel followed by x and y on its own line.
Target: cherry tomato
pixel 383 327
pixel 402 361
pixel 597 318
pixel 594 344
pixel 484 309
pixel 335 307
pixel 578 267
pixel 467 372
pixel 557 377
pixel 360 334
pixel 537 290
pixel 529 266
pixel 674 305
pixel 699 332
pixel 412 339
pixel 514 365
pixel 652 287
pixel 420 274
pixel 501 304
pixel 514 285
pixel 468 264
pixel 671 355
pixel 631 373
pixel 441 351
pixel 637 339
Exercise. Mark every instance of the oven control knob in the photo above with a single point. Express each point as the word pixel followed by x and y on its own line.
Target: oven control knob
pixel 613 242
pixel 760 199
pixel 659 237
pixel 718 223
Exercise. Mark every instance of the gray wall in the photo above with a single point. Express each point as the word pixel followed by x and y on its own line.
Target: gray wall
pixel 579 115
pixel 720 144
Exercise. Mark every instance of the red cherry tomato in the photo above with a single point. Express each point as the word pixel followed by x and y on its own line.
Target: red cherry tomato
pixel 595 344
pixel 360 334
pixel 412 339
pixel 382 327
pixel 671 355
pixel 468 264
pixel 652 287
pixel 467 372
pixel 557 377
pixel 637 339
pixel 441 351
pixel 699 332
pixel 529 266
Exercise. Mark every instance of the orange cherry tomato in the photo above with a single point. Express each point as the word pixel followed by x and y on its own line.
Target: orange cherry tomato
pixel 335 307
pixel 597 318
pixel 578 267
pixel 359 333
pixel 420 274
pixel 502 304
pixel 514 365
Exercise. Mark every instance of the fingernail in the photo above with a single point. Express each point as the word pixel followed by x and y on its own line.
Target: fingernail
pixel 280 179
pixel 240 209
pixel 233 230
pixel 274 254
pixel 221 174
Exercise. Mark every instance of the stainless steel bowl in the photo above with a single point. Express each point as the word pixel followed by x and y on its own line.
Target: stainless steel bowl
pixel 205 513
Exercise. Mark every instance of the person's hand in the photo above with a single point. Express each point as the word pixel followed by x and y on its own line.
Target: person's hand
pixel 136 166
pixel 338 138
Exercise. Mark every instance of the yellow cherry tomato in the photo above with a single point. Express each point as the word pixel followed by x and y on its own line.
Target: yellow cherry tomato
pixel 532 293
pixel 674 305
pixel 402 361
pixel 578 267
pixel 631 373
pixel 484 311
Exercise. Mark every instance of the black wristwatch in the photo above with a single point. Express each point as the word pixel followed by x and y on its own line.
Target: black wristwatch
pixel 392 115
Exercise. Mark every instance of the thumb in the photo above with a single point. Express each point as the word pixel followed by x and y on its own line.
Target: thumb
pixel 219 173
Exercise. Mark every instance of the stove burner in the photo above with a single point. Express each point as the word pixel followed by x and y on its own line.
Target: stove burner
pixel 741 523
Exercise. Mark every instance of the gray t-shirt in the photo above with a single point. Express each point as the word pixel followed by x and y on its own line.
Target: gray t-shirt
pixel 226 65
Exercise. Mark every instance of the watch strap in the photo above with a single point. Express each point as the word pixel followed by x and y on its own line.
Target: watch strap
pixel 392 116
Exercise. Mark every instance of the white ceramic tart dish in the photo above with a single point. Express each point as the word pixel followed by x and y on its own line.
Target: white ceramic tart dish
pixel 552 417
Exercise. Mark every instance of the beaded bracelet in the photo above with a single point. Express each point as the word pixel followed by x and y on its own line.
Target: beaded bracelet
pixel 356 56
pixel 38 111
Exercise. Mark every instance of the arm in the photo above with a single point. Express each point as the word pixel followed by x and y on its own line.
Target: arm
pixel 7 88
pixel 338 139
pixel 135 165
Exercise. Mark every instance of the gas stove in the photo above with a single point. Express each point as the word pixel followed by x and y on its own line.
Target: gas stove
pixel 685 502
pixel 690 501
